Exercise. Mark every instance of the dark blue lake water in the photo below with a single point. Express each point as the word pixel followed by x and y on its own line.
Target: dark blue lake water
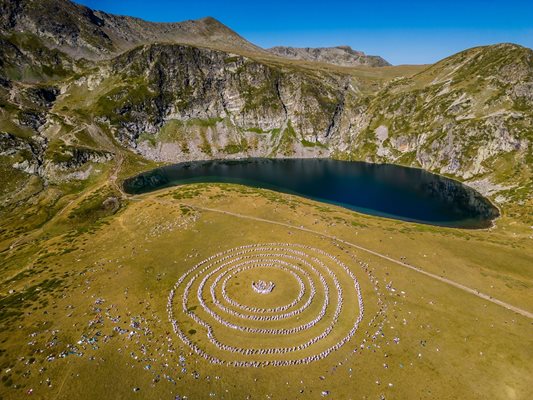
pixel 391 191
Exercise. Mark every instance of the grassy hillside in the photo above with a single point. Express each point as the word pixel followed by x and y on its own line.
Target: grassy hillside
pixel 65 313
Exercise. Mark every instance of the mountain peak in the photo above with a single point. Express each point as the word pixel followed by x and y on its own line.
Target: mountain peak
pixel 211 20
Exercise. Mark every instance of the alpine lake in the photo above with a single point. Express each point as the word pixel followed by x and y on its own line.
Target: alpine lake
pixel 384 190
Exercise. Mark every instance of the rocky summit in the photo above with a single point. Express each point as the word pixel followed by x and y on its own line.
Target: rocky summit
pixel 341 55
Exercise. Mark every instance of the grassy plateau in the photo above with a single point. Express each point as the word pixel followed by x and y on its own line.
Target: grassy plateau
pixel 85 288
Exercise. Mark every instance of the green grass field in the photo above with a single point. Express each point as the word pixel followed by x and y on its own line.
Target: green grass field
pixel 85 288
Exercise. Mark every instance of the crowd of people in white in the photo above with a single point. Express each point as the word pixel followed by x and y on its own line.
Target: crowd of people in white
pixel 294 259
pixel 263 287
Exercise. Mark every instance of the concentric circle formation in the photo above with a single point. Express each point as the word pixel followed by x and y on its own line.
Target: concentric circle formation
pixel 266 304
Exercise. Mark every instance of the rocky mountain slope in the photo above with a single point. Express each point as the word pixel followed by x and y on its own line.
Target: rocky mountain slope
pixel 63 117
pixel 342 55
pixel 172 102
pixel 468 116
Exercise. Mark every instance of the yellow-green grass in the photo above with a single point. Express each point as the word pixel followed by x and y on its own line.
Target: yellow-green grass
pixel 452 343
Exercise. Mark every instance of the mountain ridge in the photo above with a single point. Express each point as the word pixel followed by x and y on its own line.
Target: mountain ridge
pixel 93 34
pixel 83 32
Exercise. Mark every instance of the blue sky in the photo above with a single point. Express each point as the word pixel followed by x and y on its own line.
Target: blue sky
pixel 403 32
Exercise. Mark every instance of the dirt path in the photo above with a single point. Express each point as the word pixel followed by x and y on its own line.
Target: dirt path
pixel 484 296
pixel 65 378
pixel 114 175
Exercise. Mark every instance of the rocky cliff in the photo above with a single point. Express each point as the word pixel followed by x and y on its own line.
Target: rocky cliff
pixel 175 102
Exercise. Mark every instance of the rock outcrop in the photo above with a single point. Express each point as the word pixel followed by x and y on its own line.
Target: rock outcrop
pixel 341 55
